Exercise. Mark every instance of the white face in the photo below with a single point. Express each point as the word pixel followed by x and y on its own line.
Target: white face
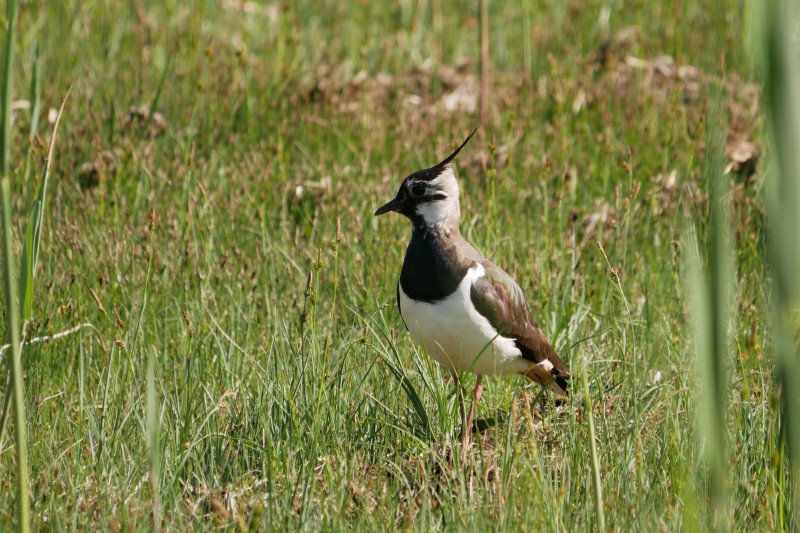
pixel 440 201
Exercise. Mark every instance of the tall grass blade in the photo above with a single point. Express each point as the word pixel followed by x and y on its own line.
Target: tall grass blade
pixel 11 302
pixel 27 264
pixel 782 92
pixel 13 333
pixel 30 253
pixel 598 484
pixel 484 40
pixel 36 93
pixel 710 294
pixel 6 84
pixel 153 438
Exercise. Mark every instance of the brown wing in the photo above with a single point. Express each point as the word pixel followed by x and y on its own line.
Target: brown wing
pixel 497 297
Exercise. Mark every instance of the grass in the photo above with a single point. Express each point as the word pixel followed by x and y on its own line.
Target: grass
pixel 247 367
pixel 14 309
pixel 782 84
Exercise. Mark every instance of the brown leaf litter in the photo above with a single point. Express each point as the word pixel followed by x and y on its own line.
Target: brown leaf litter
pixel 91 174
pixel 742 155
pixel 139 118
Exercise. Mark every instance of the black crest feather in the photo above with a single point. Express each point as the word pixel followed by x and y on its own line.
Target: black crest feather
pixel 451 156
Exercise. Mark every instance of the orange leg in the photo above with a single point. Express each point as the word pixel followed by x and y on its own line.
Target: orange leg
pixel 467 428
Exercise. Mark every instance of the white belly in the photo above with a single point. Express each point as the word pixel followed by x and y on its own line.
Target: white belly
pixel 455 335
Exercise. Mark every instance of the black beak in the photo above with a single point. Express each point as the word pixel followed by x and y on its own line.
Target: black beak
pixel 394 205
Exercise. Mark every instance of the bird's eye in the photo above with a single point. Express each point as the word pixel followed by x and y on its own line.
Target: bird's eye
pixel 417 191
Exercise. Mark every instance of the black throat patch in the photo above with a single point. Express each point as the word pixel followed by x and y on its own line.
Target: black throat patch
pixel 432 268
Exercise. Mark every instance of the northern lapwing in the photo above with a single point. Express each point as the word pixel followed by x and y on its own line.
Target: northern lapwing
pixel 465 311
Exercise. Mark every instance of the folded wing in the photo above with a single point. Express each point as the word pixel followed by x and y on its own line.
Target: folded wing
pixel 497 297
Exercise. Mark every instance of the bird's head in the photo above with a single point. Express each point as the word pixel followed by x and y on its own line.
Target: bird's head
pixel 429 196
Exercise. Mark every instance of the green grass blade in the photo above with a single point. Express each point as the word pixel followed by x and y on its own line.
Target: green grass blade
pixel 42 195
pixel 154 436
pixel 36 93
pixel 13 333
pixel 6 86
pixel 782 92
pixel 709 295
pixel 27 264
pixel 11 301
pixel 597 478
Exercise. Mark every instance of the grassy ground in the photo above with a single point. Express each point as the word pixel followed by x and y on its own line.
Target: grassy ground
pixel 225 252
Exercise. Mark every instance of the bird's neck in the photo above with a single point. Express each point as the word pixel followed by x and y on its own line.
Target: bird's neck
pixel 443 229
pixel 434 264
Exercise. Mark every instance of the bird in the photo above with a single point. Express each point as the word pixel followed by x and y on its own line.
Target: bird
pixel 466 312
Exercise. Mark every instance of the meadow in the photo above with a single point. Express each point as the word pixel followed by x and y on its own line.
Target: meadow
pixel 239 361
